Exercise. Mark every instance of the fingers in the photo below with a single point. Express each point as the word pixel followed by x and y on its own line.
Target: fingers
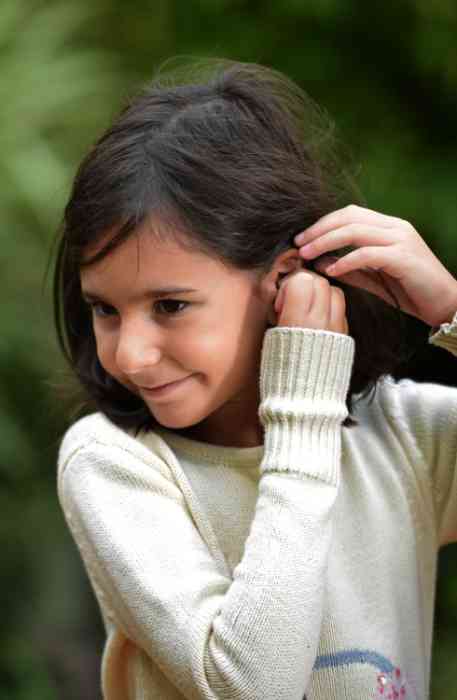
pixel 307 300
pixel 295 298
pixel 337 318
pixel 317 243
pixel 351 214
pixel 328 307
pixel 319 309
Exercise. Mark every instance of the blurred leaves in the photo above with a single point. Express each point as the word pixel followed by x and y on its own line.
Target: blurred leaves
pixel 53 89
pixel 45 81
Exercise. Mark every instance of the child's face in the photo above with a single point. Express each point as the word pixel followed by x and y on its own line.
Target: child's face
pixel 212 341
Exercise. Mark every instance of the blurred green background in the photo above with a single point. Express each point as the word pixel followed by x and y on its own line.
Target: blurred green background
pixel 386 72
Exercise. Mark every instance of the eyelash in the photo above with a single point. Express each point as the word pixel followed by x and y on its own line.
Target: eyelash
pixel 94 305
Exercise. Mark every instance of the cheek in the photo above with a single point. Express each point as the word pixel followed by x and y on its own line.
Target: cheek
pixel 222 338
pixel 216 350
pixel 210 344
pixel 105 353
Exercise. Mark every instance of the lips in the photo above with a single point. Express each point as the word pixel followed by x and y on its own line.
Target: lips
pixel 160 386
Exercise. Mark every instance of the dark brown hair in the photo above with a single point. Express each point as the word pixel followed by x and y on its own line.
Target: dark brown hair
pixel 233 159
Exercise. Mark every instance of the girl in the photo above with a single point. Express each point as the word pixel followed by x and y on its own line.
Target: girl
pixel 252 526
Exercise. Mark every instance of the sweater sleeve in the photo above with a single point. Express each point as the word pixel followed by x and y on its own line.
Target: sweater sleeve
pixel 425 419
pixel 445 336
pixel 255 636
pixel 439 440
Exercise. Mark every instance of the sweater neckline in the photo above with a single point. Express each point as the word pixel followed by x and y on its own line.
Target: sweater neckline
pixel 236 456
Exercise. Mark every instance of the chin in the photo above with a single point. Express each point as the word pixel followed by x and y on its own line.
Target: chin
pixel 174 422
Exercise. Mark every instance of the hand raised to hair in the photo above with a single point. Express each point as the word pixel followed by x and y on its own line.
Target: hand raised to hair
pixel 407 267
pixel 307 300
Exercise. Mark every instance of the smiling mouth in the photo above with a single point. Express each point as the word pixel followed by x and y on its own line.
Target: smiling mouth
pixel 164 388
pixel 161 386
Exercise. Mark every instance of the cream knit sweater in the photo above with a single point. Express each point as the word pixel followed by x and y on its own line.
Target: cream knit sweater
pixel 302 567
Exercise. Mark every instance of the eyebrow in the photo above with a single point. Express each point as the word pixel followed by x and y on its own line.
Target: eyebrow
pixel 160 292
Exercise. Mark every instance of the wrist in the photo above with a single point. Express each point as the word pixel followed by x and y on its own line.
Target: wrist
pixel 304 380
pixel 446 326
pixel 449 311
pixel 450 317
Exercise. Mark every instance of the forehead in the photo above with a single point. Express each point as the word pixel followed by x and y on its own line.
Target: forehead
pixel 147 258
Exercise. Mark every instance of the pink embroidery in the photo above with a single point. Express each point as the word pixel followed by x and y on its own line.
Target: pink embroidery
pixel 390 686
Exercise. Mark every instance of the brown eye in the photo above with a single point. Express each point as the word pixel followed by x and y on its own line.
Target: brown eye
pixel 101 310
pixel 170 306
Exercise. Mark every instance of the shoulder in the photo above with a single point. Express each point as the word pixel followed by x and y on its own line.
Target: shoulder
pixel 417 403
pixel 417 416
pixel 87 432
pixel 93 426
pixel 101 466
pixel 96 440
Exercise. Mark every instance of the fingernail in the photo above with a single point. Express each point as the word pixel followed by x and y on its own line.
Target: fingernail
pixel 299 238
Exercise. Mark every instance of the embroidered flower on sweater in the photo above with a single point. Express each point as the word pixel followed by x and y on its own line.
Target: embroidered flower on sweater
pixel 391 683
pixel 391 686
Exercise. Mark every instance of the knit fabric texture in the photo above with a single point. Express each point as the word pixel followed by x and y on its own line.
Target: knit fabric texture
pixel 301 568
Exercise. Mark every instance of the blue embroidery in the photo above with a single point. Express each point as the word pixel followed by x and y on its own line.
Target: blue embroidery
pixel 391 683
pixel 354 656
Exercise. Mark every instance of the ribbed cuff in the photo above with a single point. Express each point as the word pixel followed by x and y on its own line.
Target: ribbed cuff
pixel 304 380
pixel 445 336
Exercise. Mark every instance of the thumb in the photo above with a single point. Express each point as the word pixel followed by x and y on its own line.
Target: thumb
pixel 279 300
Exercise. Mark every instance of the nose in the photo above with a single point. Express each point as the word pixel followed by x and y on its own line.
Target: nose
pixel 138 347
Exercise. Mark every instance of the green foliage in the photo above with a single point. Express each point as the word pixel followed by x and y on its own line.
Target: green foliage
pixel 387 73
pixel 29 675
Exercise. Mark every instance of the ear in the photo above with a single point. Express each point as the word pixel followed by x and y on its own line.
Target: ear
pixel 287 262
